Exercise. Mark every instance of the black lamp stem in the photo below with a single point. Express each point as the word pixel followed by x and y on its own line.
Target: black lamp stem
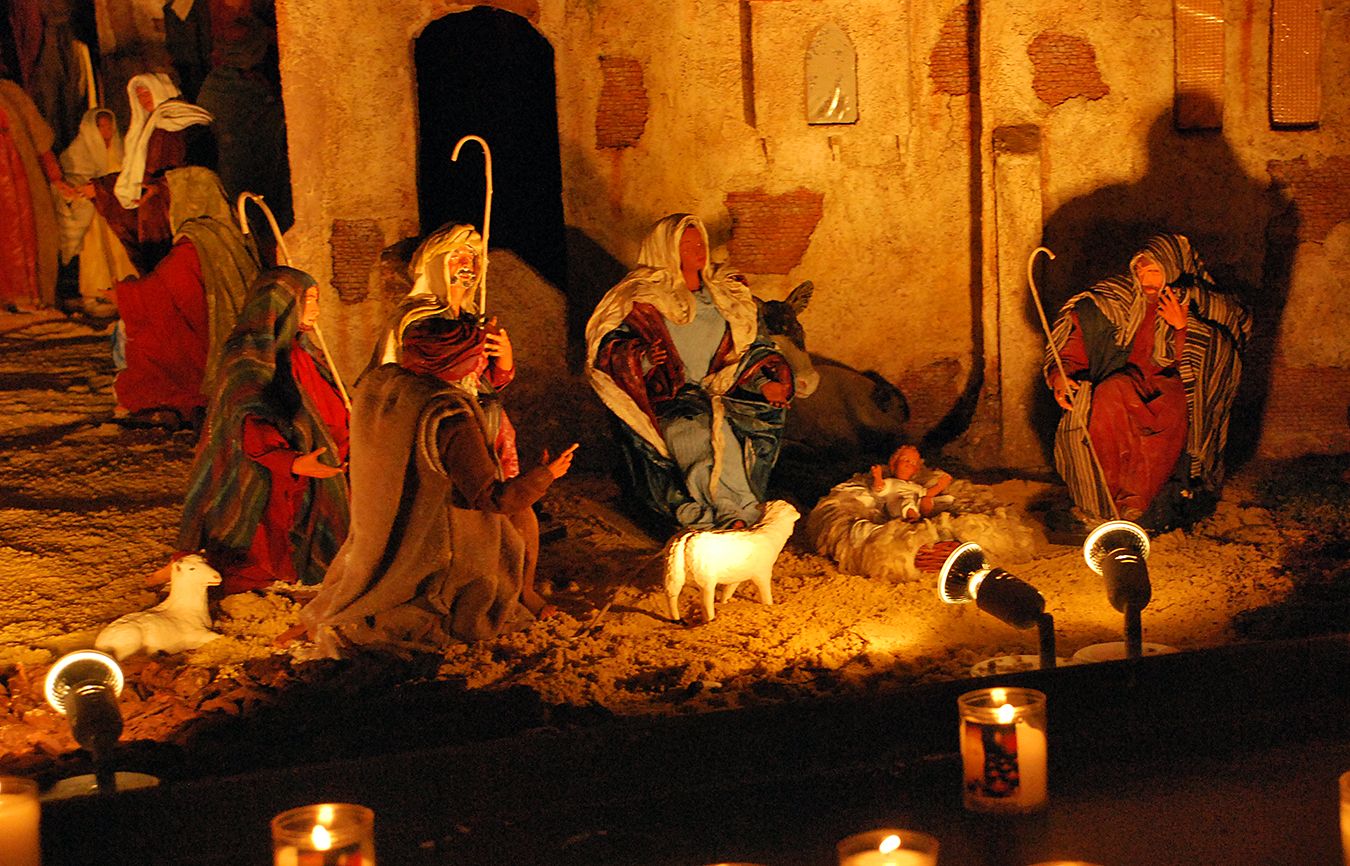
pixel 1134 632
pixel 1046 624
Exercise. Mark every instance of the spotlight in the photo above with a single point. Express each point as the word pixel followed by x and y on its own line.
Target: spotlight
pixel 1118 551
pixel 84 686
pixel 967 576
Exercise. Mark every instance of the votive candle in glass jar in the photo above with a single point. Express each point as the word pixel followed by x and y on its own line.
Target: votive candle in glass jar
pixel 1345 816
pixel 1003 750
pixel 888 848
pixel 19 816
pixel 324 834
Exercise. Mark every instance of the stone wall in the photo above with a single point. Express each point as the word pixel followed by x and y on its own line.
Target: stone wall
pixel 982 132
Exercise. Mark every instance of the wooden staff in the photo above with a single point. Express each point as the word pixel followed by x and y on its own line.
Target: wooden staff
pixel 487 214
pixel 1059 365
pixel 285 256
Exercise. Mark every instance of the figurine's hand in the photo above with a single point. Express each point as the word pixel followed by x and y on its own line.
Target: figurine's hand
pixel 877 481
pixel 1064 390
pixel 776 393
pixel 558 468
pixel 68 192
pixel 926 506
pixel 1171 309
pixel 499 347
pixel 87 190
pixel 309 466
pixel 656 354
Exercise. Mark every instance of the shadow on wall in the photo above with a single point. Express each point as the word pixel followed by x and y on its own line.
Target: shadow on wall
pixel 591 271
pixel 1242 227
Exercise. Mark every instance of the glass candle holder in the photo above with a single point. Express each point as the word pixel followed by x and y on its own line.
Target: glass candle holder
pixel 888 848
pixel 324 834
pixel 19 815
pixel 1345 816
pixel 1003 750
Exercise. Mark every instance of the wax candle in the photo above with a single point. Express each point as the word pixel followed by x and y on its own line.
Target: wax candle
pixel 888 848
pixel 325 834
pixel 1003 750
pixel 1345 817
pixel 19 813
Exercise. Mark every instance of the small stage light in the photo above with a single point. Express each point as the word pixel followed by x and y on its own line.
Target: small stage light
pixel 966 576
pixel 84 686
pixel 1118 551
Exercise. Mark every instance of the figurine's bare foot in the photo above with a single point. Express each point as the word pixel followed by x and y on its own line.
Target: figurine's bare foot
pixel 291 635
pixel 159 576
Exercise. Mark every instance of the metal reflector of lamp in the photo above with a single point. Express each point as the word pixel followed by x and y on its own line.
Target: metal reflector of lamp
pixel 967 576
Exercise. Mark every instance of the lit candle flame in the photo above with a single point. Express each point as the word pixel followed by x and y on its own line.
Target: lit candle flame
pixel 889 844
pixel 1005 713
pixel 322 839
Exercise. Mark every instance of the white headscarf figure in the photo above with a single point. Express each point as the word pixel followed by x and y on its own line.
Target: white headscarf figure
pixel 169 113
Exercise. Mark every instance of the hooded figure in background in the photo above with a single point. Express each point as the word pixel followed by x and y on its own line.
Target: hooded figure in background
pixel 267 499
pixel 1159 351
pixel 133 200
pixel 96 151
pixel 178 315
pixel 29 236
pixel 676 352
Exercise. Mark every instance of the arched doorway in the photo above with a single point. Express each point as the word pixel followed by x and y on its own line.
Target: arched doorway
pixel 488 72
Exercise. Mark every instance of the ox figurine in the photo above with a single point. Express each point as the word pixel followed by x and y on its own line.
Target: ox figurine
pixel 180 622
pixel 728 557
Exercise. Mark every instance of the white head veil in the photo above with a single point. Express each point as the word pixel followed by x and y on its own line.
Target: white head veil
pixel 169 114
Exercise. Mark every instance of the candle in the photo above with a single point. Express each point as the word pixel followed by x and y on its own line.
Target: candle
pixel 1003 750
pixel 325 834
pixel 1345 817
pixel 888 848
pixel 19 812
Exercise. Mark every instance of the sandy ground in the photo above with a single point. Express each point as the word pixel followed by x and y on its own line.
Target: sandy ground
pixel 89 508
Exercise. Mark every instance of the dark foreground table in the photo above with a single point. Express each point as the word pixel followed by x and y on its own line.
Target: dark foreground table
pixel 1221 757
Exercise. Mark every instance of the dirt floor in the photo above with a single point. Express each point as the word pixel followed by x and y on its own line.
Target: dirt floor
pixel 88 508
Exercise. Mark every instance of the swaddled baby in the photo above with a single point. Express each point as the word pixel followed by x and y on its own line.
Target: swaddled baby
pixel 910 490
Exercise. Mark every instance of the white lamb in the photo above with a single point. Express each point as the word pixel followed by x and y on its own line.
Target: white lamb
pixel 180 622
pixel 728 557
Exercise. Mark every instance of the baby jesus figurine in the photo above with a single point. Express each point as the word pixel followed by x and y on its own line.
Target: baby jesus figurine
pixel 911 490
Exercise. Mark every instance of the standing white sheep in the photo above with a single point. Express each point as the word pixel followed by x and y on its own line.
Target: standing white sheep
pixel 728 557
pixel 180 622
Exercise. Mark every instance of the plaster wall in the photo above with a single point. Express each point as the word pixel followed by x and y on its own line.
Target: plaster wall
pixel 912 278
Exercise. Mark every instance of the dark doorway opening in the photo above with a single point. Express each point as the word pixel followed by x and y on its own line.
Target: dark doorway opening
pixel 487 72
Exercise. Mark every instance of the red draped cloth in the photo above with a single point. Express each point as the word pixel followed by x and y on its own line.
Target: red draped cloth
pixel 165 316
pixel 18 232
pixel 268 558
pixel 1138 420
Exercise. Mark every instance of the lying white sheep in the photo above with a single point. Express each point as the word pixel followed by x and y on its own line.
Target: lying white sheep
pixel 728 557
pixel 180 622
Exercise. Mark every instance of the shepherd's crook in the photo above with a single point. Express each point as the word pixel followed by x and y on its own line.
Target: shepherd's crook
pixel 285 257
pixel 1059 365
pixel 487 214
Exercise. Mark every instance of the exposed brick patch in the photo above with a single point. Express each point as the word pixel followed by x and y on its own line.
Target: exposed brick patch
pixel 1300 416
pixel 622 113
pixel 949 61
pixel 356 246
pixel 770 233
pixel 1064 67
pixel 1319 196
